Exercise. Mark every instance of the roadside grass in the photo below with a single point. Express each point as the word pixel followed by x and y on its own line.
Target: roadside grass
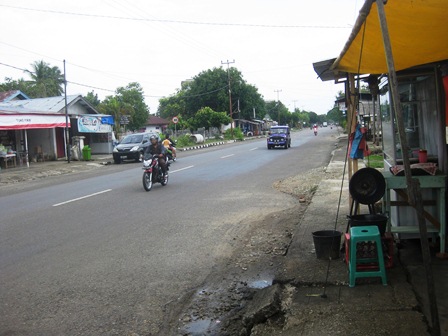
pixel 374 161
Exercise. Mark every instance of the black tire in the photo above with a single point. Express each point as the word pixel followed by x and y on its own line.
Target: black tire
pixel 269 147
pixel 165 181
pixel 147 181
pixel 117 160
pixel 139 158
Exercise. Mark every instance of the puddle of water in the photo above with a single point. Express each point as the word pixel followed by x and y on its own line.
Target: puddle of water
pixel 259 284
pixel 198 327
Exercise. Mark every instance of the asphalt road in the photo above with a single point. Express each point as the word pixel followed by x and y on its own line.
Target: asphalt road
pixel 99 255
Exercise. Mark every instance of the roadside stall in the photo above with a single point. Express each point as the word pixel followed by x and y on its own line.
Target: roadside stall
pixel 401 49
pixel 16 123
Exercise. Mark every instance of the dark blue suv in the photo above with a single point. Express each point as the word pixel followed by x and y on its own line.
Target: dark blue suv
pixel 279 136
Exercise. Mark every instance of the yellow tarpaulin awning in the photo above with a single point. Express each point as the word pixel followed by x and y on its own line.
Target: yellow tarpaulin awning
pixel 418 31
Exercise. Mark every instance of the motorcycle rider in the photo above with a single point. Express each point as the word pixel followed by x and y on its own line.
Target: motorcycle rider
pixel 168 143
pixel 315 129
pixel 158 149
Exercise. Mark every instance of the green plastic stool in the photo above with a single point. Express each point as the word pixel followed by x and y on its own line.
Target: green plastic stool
pixel 359 234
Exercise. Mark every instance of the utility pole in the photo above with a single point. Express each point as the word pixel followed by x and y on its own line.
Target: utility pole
pixel 230 94
pixel 278 101
pixel 294 101
pixel 67 133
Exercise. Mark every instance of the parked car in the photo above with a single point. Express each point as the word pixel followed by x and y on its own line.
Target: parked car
pixel 132 147
pixel 279 136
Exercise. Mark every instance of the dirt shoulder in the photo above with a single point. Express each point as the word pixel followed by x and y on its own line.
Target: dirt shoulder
pixel 218 307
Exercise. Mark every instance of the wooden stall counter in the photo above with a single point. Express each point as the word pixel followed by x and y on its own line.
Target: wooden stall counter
pixel 436 225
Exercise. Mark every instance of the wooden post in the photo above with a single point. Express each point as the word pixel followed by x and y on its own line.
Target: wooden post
pixel 351 128
pixel 413 185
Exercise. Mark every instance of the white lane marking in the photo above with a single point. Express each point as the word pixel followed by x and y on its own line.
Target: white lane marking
pixel 253 148
pixel 178 170
pixel 80 198
pixel 223 157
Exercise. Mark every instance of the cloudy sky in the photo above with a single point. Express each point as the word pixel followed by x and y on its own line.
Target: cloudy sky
pixel 107 44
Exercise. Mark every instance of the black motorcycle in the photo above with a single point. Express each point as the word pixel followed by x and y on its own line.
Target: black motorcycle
pixel 153 172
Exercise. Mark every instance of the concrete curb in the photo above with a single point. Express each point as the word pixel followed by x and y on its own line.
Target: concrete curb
pixel 219 143
pixel 203 146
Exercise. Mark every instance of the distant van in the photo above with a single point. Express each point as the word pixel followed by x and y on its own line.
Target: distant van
pixel 324 124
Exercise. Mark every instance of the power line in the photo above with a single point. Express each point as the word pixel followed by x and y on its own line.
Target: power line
pixel 175 21
pixel 113 91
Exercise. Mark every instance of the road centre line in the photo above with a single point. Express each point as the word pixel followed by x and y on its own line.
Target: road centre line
pixel 253 149
pixel 223 157
pixel 178 170
pixel 80 198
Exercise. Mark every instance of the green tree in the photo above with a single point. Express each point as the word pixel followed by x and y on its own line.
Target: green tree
pixel 92 98
pixel 304 118
pixel 112 106
pixel 210 89
pixel 207 118
pixel 279 112
pixel 46 81
pixel 335 115
pixel 21 84
pixel 314 118
pixel 249 101
pixel 172 106
pixel 131 99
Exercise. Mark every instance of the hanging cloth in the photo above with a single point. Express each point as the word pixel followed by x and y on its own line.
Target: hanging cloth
pixel 358 143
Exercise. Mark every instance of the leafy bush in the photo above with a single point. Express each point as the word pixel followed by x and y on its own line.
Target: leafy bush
pixel 185 141
pixel 237 134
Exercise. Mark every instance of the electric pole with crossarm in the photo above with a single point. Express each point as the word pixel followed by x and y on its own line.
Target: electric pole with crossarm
pixel 230 94
pixel 278 104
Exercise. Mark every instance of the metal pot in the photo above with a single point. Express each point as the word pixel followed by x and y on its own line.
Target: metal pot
pixel 367 186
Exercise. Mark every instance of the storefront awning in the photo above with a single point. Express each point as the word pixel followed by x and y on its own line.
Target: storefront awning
pixel 418 32
pixel 31 121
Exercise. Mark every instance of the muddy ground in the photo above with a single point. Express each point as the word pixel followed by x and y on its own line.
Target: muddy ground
pixel 218 307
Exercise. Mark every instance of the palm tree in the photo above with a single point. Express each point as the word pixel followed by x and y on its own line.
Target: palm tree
pixel 46 81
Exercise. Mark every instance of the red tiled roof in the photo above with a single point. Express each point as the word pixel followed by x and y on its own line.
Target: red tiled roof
pixel 154 120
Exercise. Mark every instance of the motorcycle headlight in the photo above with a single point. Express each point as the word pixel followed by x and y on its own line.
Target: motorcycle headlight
pixel 146 163
pixel 135 148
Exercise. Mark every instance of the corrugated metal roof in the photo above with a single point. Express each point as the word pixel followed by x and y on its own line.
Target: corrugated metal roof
pixel 7 96
pixel 6 108
pixel 51 105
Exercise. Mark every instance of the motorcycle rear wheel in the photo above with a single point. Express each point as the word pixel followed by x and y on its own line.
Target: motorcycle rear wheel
pixel 147 181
